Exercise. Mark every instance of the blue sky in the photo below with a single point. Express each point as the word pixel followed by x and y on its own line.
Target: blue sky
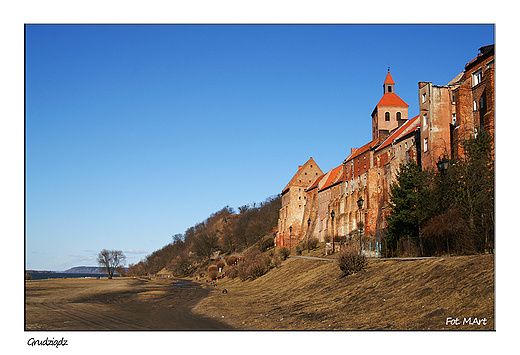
pixel 136 133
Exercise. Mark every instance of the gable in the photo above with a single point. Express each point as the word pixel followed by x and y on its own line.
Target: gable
pixel 305 175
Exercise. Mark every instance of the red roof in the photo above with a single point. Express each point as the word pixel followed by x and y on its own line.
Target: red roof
pixel 391 99
pixel 363 149
pixel 334 176
pixel 410 125
pixel 316 182
pixel 389 79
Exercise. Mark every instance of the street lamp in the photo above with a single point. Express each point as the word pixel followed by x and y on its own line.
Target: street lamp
pixel 332 214
pixel 308 234
pixel 360 206
pixel 442 165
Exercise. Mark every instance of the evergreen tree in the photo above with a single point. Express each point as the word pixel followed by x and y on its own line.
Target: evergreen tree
pixel 413 200
pixel 472 187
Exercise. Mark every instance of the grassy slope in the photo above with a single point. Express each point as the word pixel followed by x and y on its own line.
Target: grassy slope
pixel 407 295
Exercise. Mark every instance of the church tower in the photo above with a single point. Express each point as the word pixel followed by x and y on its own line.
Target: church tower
pixel 390 113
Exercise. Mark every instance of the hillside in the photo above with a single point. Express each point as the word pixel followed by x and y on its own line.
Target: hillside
pixel 397 295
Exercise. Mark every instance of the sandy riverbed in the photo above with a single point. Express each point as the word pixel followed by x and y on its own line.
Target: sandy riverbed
pixel 116 304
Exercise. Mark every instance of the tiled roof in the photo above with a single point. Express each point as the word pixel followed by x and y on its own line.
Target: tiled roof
pixel 334 176
pixel 391 99
pixel 410 125
pixel 389 79
pixel 363 149
pixel 316 182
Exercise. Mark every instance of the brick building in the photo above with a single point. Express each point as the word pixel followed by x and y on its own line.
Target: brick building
pixel 318 205
pixel 293 202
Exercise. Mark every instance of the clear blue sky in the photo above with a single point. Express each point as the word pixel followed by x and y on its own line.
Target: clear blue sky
pixel 136 133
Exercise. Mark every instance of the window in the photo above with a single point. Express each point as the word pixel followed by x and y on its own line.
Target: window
pixel 454 119
pixel 475 107
pixel 387 116
pixel 389 88
pixel 477 77
pixel 398 115
pixel 425 121
pixel 425 148
pixel 423 98
pixel 481 102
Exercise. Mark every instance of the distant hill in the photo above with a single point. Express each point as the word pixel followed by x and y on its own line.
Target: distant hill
pixel 85 270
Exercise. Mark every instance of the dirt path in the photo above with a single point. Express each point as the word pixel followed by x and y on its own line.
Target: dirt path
pixel 117 304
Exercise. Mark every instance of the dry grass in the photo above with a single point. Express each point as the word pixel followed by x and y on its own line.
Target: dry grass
pixel 408 295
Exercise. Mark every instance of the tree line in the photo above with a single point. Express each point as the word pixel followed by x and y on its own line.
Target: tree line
pixel 226 231
pixel 434 213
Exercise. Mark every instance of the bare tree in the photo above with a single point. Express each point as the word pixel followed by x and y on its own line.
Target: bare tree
pixel 111 260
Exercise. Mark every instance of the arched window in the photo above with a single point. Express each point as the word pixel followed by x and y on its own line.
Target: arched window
pixel 398 115
pixel 387 116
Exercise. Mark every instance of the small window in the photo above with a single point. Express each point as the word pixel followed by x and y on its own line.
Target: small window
pixel 481 102
pixel 389 88
pixel 475 107
pixel 425 121
pixel 387 116
pixel 454 119
pixel 425 148
pixel 423 98
pixel 477 77
pixel 398 115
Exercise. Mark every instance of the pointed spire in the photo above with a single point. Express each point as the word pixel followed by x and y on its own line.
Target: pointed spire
pixel 389 79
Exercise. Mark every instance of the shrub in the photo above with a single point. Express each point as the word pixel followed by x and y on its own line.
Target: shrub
pixel 212 272
pixel 313 243
pixel 256 268
pixel 221 264
pixel 277 259
pixel 350 261
pixel 254 265
pixel 232 272
pixel 285 252
pixel 230 260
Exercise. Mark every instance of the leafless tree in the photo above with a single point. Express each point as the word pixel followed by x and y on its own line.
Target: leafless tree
pixel 110 260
